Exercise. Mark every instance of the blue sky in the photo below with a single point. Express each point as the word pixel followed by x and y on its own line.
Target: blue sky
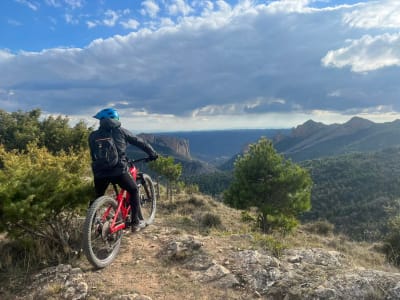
pixel 170 65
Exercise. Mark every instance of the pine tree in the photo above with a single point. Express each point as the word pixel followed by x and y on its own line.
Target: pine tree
pixel 280 189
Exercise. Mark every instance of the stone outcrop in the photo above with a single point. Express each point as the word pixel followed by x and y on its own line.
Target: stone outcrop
pixel 169 145
pixel 315 274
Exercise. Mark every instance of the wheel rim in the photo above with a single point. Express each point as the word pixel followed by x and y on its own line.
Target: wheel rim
pixel 103 244
pixel 146 202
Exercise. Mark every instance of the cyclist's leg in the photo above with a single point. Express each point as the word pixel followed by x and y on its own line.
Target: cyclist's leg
pixel 126 182
pixel 100 187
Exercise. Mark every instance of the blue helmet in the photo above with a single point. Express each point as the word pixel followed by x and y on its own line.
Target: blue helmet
pixel 107 113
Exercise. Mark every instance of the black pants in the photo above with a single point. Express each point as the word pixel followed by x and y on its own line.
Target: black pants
pixel 126 182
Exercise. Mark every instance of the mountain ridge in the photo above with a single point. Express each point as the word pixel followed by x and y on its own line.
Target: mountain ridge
pixel 314 140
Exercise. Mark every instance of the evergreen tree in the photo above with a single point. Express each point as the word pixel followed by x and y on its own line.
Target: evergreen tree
pixel 166 167
pixel 280 189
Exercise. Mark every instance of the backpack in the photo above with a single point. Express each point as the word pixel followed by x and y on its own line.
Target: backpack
pixel 104 151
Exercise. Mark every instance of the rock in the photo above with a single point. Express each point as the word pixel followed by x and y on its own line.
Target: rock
pixel 181 249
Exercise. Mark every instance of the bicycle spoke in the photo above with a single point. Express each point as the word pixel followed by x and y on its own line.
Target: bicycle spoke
pixel 100 245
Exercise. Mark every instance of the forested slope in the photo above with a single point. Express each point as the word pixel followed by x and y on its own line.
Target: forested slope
pixel 356 191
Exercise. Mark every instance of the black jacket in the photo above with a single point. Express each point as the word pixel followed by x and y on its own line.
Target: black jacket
pixel 122 137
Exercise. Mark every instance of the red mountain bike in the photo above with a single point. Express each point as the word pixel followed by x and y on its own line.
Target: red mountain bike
pixel 108 216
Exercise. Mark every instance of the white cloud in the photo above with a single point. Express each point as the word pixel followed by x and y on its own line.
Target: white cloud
pixel 30 4
pixel 74 3
pixel 150 8
pixel 111 18
pixel 377 14
pixel 289 6
pixel 207 7
pixel 366 54
pixel 179 7
pixel 5 55
pixel 14 22
pixel 130 24
pixel 53 3
pixel 70 19
pixel 91 24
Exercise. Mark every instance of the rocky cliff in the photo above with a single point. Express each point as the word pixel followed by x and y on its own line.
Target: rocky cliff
pixel 169 145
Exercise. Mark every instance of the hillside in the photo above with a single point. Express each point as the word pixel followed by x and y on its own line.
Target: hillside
pixel 353 191
pixel 356 191
pixel 182 256
pixel 315 140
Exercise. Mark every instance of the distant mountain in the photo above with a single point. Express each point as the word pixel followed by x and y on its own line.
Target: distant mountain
pixel 201 151
pixel 169 145
pixel 314 140
pixel 218 146
pixel 176 147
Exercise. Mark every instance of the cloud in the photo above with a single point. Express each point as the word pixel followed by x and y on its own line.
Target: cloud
pixel 377 14
pixel 74 3
pixel 150 8
pixel 367 53
pixel 244 63
pixel 130 24
pixel 111 18
pixel 53 3
pixel 70 19
pixel 14 22
pixel 30 4
pixel 178 7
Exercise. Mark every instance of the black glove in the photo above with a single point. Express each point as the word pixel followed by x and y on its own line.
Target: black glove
pixel 153 156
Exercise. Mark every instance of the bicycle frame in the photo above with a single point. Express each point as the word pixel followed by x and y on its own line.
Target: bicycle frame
pixel 123 200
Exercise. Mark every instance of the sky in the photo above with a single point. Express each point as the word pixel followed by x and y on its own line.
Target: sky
pixel 183 65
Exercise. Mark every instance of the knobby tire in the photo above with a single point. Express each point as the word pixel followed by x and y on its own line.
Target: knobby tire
pixel 147 199
pixel 99 246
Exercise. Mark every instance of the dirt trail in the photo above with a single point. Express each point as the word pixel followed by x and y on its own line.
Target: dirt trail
pixel 138 268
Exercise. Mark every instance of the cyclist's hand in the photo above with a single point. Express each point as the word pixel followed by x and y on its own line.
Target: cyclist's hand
pixel 153 156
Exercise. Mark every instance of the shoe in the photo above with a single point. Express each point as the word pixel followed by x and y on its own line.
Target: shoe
pixel 138 226
pixel 127 224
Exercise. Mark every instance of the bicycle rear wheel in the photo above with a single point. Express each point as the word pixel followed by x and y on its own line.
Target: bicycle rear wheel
pixel 99 245
pixel 147 199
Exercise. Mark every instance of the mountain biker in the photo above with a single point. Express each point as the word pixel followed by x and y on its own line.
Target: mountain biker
pixel 119 174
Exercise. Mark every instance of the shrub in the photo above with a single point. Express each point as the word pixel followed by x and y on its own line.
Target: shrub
pixel 196 201
pixel 247 217
pixel 392 241
pixel 209 220
pixel 41 194
pixel 268 242
pixel 280 189
pixel 322 227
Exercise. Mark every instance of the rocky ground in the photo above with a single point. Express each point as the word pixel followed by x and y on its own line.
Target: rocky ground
pixel 171 260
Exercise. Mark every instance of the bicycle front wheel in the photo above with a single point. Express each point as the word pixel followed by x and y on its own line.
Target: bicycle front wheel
pixel 99 244
pixel 147 199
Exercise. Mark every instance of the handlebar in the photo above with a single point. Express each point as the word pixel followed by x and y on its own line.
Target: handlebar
pixel 145 159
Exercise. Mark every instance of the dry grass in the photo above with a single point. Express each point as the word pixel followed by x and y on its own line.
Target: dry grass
pixel 138 267
pixel 185 210
pixel 360 254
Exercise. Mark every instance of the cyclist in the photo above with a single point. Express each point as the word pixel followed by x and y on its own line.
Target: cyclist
pixel 118 174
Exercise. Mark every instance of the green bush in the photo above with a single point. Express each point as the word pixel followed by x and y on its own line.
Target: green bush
pixel 41 194
pixel 246 216
pixel 269 243
pixel 392 241
pixel 280 189
pixel 209 220
pixel 322 227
